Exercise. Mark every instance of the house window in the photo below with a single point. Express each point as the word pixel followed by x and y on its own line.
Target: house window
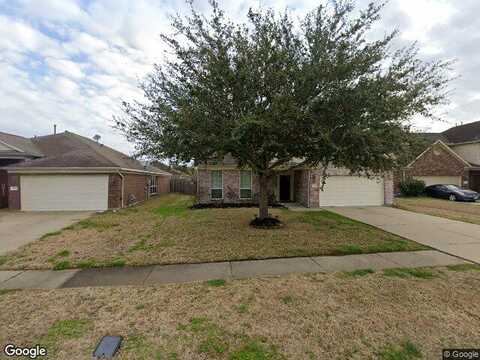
pixel 245 184
pixel 153 188
pixel 216 188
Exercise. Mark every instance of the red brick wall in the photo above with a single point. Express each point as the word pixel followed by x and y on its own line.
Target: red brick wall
pixel 300 187
pixel 135 186
pixel 114 191
pixel 436 161
pixel 315 188
pixel 3 189
pixel 231 187
pixel 14 196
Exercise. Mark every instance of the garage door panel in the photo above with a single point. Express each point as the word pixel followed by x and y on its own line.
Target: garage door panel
pixel 352 191
pixel 64 192
pixel 433 180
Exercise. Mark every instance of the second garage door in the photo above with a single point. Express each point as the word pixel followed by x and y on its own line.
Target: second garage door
pixel 352 191
pixel 63 192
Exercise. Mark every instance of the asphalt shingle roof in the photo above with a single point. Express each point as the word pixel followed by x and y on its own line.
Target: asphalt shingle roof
pixel 463 133
pixel 25 145
pixel 71 150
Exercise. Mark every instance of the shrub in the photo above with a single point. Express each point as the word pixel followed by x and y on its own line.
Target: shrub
pixel 412 187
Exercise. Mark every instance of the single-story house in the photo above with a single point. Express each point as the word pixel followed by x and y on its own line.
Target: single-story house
pixel 67 171
pixel 453 158
pixel 225 182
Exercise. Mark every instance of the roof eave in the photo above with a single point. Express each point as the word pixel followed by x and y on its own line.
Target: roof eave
pixel 78 170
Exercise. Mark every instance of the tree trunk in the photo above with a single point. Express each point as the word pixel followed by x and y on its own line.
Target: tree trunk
pixel 263 196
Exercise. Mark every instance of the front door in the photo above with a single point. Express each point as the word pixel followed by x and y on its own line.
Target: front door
pixel 284 187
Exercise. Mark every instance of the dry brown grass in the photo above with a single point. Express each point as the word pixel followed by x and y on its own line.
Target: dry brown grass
pixel 164 231
pixel 294 317
pixel 460 211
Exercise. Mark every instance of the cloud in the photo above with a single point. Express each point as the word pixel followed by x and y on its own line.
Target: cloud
pixel 56 10
pixel 72 62
pixel 66 67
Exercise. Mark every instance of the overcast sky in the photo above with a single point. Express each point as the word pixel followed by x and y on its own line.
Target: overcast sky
pixel 71 62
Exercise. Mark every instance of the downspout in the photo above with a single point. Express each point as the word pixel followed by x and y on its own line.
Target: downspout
pixel 123 188
pixel 308 189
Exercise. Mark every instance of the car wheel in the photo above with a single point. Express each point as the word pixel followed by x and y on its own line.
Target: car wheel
pixel 452 198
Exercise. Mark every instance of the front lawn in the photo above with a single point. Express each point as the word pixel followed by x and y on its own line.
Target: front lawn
pixel 164 230
pixel 358 315
pixel 467 212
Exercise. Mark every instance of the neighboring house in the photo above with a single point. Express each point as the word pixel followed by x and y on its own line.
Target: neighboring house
pixel 225 182
pixel 454 158
pixel 70 172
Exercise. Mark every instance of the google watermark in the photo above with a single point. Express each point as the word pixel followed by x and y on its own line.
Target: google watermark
pixel 464 354
pixel 11 350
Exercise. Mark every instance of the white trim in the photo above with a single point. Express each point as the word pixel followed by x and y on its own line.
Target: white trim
pixel 446 147
pixel 154 177
pixel 240 185
pixel 211 188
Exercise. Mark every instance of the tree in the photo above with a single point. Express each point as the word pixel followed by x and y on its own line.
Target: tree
pixel 268 91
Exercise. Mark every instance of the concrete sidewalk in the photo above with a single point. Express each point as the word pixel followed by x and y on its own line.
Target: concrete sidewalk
pixel 181 273
pixel 449 236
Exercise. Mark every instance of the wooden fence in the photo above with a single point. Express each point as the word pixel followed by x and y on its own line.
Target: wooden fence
pixel 182 184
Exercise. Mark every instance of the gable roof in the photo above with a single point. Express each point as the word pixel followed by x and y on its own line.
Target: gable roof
pixel 447 148
pixel 463 133
pixel 18 145
pixel 69 150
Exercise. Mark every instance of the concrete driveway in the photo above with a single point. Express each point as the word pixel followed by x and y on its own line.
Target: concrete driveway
pixel 452 237
pixel 20 228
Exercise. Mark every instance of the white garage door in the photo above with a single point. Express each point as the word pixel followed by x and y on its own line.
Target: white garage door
pixel 433 180
pixel 64 192
pixel 352 191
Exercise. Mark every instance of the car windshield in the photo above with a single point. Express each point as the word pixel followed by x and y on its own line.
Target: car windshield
pixel 452 187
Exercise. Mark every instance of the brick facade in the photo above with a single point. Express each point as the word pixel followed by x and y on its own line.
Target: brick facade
pixel 231 187
pixel 436 161
pixel 135 188
pixel 388 188
pixel 3 189
pixel 114 191
pixel 306 186
pixel 300 186
pixel 14 196
pixel 315 188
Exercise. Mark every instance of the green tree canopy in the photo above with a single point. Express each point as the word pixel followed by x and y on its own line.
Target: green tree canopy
pixel 270 90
